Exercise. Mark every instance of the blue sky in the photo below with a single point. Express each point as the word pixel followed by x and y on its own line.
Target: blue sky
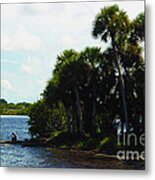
pixel 32 35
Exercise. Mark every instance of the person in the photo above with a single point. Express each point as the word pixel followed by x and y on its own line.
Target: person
pixel 13 137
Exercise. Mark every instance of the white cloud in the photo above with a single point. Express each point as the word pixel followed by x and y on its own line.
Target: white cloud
pixel 68 41
pixel 38 32
pixel 27 69
pixel 20 40
pixel 33 66
pixel 6 84
pixel 34 9
pixel 29 65
pixel 8 61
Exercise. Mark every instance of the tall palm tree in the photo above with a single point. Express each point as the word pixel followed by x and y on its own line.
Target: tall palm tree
pixel 112 25
pixel 71 75
pixel 92 57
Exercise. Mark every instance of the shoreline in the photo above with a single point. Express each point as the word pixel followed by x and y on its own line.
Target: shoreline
pixel 84 158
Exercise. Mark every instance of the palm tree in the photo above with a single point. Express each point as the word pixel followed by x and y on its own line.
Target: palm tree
pixel 74 75
pixel 71 75
pixel 112 25
pixel 92 57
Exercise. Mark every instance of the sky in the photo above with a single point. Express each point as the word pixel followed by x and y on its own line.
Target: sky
pixel 32 35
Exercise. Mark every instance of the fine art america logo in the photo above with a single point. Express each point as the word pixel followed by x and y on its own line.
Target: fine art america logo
pixel 131 143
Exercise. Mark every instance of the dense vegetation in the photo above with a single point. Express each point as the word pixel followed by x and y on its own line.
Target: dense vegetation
pixel 14 109
pixel 88 90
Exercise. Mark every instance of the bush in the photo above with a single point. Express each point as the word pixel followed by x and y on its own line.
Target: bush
pixel 45 122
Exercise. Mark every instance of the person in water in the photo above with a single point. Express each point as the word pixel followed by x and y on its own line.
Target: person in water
pixel 13 137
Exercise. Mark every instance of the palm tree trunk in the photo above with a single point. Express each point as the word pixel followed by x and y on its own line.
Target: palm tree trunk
pixel 68 124
pixel 93 109
pixel 79 113
pixel 122 85
pixel 73 118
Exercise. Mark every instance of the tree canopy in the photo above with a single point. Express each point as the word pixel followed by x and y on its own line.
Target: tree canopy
pixel 88 90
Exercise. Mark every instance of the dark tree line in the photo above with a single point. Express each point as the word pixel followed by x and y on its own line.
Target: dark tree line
pixel 89 89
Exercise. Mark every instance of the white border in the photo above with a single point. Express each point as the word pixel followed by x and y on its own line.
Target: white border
pixel 76 174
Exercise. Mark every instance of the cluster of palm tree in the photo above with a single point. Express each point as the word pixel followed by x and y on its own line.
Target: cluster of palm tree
pixel 92 88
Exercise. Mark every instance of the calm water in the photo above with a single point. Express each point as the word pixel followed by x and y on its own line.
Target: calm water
pixel 18 156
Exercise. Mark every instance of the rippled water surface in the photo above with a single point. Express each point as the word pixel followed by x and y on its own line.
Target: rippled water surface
pixel 18 156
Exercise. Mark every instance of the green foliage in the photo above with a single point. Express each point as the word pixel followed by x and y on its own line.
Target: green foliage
pixel 38 119
pixel 91 88
pixel 3 101
pixel 104 141
pixel 137 28
pixel 14 109
pixel 43 121
pixel 111 23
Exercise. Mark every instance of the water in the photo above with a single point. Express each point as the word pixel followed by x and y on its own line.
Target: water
pixel 18 156
pixel 17 124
